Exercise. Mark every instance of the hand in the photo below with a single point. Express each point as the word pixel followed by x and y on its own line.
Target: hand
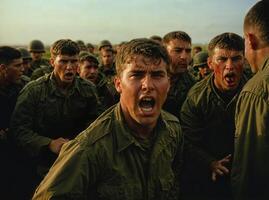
pixel 56 145
pixel 218 167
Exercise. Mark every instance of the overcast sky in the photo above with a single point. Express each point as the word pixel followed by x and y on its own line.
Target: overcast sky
pixel 117 20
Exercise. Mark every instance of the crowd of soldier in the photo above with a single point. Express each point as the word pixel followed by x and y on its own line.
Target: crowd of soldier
pixel 108 127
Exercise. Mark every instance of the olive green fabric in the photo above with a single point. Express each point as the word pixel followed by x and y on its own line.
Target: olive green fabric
pixel 104 162
pixel 43 113
pixel 104 91
pixel 250 172
pixel 41 71
pixel 108 72
pixel 207 119
pixel 37 64
pixel 178 92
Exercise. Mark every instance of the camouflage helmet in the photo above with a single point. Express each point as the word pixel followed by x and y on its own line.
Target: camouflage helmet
pixel 25 54
pixel 36 46
pixel 200 59
pixel 104 43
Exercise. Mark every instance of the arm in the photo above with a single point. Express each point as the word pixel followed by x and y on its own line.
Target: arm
pixel 22 123
pixel 72 176
pixel 250 164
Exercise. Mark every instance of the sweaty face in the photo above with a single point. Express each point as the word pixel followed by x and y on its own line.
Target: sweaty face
pixel 88 70
pixel 228 67
pixel 143 87
pixel 14 71
pixel 180 54
pixel 65 68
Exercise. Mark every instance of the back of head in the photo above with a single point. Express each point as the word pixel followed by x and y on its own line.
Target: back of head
pixel 145 47
pixel 64 47
pixel 229 41
pixel 258 18
pixel 8 54
pixel 36 46
pixel 180 35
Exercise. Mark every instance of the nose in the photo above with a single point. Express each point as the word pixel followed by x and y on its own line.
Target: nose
pixel 184 55
pixel 229 64
pixel 147 83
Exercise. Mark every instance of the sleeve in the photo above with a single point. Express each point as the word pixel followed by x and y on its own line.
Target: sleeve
pixel 72 176
pixel 250 165
pixel 192 126
pixel 22 124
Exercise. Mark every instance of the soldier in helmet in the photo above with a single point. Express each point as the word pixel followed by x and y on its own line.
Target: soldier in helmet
pixel 178 45
pixel 37 49
pixel 90 48
pixel 200 65
pixel 107 65
pixel 104 44
pixel 81 45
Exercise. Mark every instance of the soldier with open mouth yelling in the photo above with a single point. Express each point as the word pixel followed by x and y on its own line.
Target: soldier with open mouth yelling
pixel 133 150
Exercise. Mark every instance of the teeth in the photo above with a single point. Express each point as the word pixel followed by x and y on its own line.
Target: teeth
pixel 146 109
pixel 147 99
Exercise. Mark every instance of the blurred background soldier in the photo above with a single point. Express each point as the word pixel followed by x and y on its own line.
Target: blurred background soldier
pixel 81 45
pixel 200 65
pixel 53 109
pixel 37 49
pixel 196 49
pixel 90 48
pixel 27 59
pixel 88 69
pixel 107 65
pixel 157 38
pixel 11 70
pixel 207 119
pixel 178 45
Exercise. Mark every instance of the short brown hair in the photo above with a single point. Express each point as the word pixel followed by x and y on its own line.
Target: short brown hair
pixel 230 41
pixel 258 17
pixel 64 47
pixel 180 35
pixel 145 47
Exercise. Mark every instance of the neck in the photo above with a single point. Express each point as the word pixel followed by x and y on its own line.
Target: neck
pixel 261 55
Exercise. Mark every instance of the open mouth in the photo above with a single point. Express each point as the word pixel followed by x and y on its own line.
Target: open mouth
pixel 230 78
pixel 69 75
pixel 147 104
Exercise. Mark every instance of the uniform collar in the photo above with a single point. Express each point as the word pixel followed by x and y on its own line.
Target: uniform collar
pixel 123 134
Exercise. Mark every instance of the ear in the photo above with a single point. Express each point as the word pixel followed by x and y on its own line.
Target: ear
pixel 117 83
pixel 52 61
pixel 210 63
pixel 251 41
pixel 78 69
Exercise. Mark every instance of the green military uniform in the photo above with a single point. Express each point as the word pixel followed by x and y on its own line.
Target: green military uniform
pixel 43 113
pixel 107 162
pixel 109 73
pixel 207 119
pixel 41 71
pixel 105 95
pixel 37 64
pixel 178 92
pixel 250 172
